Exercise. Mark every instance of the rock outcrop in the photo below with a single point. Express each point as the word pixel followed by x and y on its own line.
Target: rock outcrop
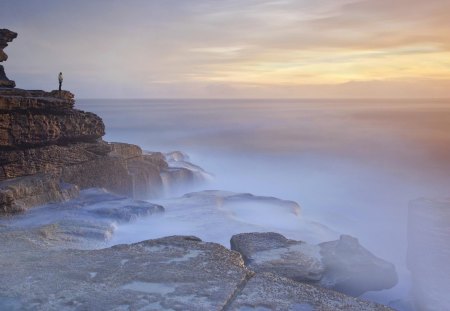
pixel 6 36
pixel 429 253
pixel 41 133
pixel 49 150
pixel 343 265
pixel 171 273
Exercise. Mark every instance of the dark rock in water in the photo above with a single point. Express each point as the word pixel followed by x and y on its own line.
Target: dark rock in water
pixel 272 252
pixel 343 265
pixel 428 253
pixel 352 269
pixel 267 291
pixel 6 36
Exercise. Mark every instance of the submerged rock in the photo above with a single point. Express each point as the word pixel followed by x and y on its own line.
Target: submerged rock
pixel 343 265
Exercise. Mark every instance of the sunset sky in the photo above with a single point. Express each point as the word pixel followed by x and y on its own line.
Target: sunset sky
pixel 232 48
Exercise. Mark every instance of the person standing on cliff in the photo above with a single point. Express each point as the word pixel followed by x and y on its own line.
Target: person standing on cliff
pixel 60 79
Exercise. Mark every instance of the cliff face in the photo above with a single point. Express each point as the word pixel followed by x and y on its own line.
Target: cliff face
pixel 49 150
pixel 41 134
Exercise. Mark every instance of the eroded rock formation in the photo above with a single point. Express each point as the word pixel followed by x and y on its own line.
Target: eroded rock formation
pixel 6 36
pixel 343 265
pixel 49 150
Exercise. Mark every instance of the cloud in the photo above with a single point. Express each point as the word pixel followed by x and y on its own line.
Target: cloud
pixel 161 48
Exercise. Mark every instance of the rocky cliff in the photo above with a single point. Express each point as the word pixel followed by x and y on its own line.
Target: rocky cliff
pixel 49 150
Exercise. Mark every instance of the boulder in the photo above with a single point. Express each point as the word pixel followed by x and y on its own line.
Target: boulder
pixel 343 265
pixel 272 252
pixel 352 269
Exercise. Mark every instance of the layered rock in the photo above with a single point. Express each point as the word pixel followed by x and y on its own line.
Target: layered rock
pixel 429 253
pixel 343 265
pixel 6 36
pixel 41 133
pixel 17 195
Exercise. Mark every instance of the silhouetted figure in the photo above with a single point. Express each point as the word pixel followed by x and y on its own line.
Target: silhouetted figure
pixel 60 79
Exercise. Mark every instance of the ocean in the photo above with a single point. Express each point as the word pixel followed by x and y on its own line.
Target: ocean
pixel 352 165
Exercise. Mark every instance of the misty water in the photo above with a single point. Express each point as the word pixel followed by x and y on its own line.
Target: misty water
pixel 352 166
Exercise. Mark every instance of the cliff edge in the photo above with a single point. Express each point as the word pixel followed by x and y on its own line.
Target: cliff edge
pixel 49 150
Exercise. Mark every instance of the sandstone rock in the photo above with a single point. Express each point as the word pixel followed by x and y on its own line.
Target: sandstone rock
pixel 25 129
pixel 173 273
pixel 6 36
pixel 125 151
pixel 26 103
pixel 429 253
pixel 19 194
pixel 41 133
pixel 49 159
pixel 267 291
pixel 4 81
pixel 272 252
pixel 352 269
pixel 343 265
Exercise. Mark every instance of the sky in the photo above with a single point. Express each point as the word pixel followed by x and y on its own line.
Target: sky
pixel 231 48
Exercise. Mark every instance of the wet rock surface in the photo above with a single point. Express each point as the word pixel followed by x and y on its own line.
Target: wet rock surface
pixel 16 195
pixel 87 220
pixel 343 265
pixel 173 273
pixel 272 252
pixel 267 291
